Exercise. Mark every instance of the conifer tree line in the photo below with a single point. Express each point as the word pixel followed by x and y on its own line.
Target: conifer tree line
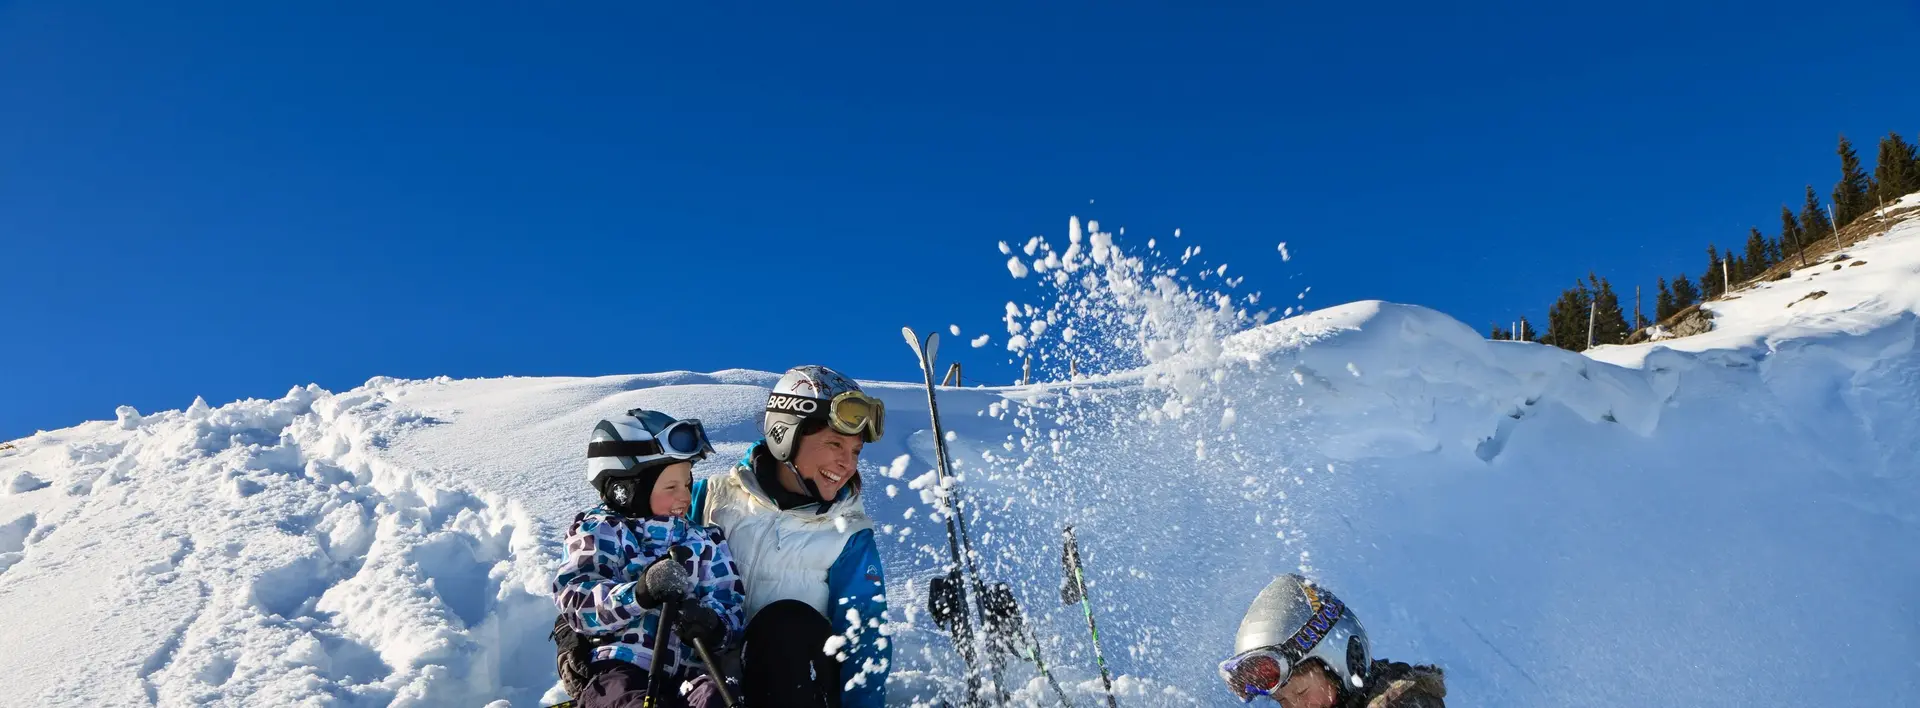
pixel 1591 309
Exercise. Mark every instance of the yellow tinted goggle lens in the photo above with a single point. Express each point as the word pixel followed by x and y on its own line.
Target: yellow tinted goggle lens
pixel 851 412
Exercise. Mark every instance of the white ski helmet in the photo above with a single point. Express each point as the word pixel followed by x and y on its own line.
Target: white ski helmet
pixel 1299 620
pixel 815 393
pixel 635 447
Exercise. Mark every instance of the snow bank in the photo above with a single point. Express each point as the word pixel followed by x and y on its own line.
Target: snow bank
pixel 263 552
pixel 25 482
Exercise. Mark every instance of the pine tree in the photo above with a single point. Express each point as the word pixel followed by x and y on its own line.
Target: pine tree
pixel 1497 332
pixel 1813 221
pixel 1777 248
pixel 1684 294
pixel 1759 252
pixel 1609 320
pixel 1791 238
pixel 1526 331
pixel 1711 280
pixel 1567 319
pixel 1663 302
pixel 1851 196
pixel 1895 175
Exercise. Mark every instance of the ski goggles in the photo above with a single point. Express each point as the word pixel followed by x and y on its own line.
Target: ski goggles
pixel 1256 672
pixel 681 440
pixel 850 413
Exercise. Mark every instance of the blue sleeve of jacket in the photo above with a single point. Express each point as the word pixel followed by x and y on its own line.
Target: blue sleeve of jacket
pixel 858 592
pixel 720 589
pixel 697 511
pixel 591 586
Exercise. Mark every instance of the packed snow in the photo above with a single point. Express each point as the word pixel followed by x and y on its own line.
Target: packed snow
pixel 1720 520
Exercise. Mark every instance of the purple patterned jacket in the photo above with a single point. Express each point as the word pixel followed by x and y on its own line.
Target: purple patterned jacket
pixel 596 585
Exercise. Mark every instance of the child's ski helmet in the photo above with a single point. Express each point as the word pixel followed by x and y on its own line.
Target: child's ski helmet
pixel 1305 621
pixel 626 454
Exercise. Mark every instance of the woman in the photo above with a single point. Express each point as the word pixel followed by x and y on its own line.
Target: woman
pixel 791 510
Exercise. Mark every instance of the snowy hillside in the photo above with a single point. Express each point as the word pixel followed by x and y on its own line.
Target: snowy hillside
pixel 1859 289
pixel 1723 520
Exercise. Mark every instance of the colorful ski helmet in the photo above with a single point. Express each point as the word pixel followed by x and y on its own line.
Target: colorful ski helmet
pixel 817 393
pixel 626 454
pixel 1300 620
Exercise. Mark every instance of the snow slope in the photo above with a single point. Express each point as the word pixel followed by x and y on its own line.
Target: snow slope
pixel 1724 520
pixel 1858 290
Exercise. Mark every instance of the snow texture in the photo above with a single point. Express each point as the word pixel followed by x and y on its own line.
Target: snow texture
pixel 25 482
pixel 1717 520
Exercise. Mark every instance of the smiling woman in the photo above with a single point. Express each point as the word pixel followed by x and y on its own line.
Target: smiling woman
pixel 792 510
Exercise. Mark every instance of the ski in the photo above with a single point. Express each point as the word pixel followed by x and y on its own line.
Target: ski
pixel 1076 591
pixel 951 591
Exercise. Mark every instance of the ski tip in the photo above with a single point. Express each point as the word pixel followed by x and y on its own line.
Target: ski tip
pixel 933 348
pixel 913 340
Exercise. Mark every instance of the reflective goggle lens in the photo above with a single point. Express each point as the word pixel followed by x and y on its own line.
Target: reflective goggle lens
pixel 685 440
pixel 1258 675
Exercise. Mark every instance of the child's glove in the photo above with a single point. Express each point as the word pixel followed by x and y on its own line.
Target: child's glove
pixel 664 580
pixel 699 622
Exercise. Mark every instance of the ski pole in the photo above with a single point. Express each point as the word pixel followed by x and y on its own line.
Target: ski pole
pixel 657 673
pixel 665 579
pixel 1007 627
pixel 713 672
pixel 1033 650
pixel 1076 591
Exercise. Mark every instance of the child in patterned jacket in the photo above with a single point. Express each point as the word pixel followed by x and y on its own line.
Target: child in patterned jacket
pixel 642 466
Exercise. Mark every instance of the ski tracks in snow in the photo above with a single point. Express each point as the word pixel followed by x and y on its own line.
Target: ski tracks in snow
pixel 292 562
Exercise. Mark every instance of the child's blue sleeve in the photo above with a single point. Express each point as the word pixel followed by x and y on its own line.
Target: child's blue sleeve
pixel 721 590
pixel 591 587
pixel 857 589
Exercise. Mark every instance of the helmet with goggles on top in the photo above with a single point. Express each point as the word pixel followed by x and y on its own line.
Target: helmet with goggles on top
pixel 625 455
pixel 811 397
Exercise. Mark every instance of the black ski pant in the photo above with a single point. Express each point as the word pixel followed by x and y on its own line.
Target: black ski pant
pixel 783 665
pixel 620 684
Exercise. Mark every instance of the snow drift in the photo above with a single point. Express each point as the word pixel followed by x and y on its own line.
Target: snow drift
pixel 1724 520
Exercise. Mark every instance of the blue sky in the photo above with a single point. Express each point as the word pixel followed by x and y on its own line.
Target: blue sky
pixel 229 199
